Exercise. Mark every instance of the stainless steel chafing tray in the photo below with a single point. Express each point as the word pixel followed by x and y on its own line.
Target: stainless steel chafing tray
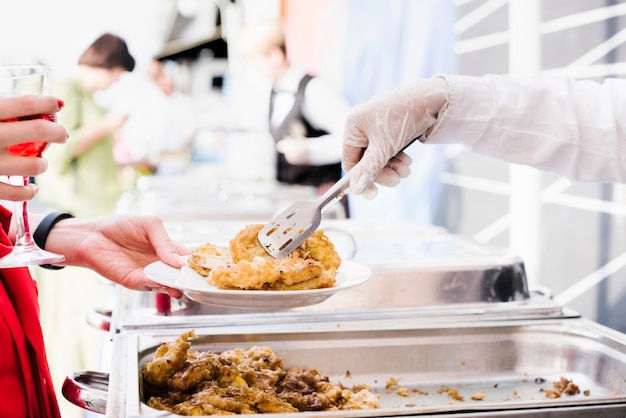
pixel 439 311
pixel 509 362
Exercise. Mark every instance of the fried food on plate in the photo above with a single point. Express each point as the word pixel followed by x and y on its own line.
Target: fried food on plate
pixel 245 275
pixel 243 381
pixel 208 256
pixel 318 247
pixel 246 246
pixel 246 265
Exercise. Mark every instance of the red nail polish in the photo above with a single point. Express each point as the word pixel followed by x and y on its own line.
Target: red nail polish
pixel 60 103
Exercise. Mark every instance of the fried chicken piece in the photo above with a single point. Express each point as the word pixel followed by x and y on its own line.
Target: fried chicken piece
pixel 168 359
pixel 256 357
pixel 246 265
pixel 240 400
pixel 199 367
pixel 327 279
pixel 297 270
pixel 264 379
pixel 319 247
pixel 246 246
pixel 251 381
pixel 217 400
pixel 209 256
pixel 245 275
pixel 262 274
pixel 303 389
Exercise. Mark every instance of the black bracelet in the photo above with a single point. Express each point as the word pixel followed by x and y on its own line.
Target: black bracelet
pixel 40 236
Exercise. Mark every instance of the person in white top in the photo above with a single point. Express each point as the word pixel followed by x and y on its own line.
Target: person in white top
pixel 574 128
pixel 306 113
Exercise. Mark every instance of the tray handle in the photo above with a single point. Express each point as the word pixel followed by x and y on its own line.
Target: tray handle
pixel 87 389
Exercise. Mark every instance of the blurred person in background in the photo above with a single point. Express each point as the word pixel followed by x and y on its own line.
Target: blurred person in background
pixel 82 179
pixel 129 242
pixel 85 166
pixel 161 123
pixel 156 73
pixel 306 113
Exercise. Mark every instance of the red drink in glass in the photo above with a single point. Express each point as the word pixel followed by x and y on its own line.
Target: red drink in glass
pixel 30 149
pixel 23 80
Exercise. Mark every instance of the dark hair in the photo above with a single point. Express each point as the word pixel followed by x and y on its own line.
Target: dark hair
pixel 108 51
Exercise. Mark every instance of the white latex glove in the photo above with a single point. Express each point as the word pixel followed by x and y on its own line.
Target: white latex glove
pixel 378 130
pixel 295 150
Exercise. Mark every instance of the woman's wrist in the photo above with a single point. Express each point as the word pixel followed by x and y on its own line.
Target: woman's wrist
pixel 43 231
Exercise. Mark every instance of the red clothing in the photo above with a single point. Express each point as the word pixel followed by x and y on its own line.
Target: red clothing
pixel 25 384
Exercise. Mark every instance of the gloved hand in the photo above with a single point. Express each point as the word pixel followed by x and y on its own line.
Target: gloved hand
pixel 295 150
pixel 377 131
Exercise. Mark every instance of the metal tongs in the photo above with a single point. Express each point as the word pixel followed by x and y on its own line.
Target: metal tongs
pixel 291 227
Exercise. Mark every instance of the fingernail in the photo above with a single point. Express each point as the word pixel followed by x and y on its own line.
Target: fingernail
pixel 60 103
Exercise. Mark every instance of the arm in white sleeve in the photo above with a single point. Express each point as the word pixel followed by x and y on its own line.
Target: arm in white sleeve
pixel 325 108
pixel 576 129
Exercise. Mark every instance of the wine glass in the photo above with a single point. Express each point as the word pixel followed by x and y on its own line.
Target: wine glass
pixel 18 80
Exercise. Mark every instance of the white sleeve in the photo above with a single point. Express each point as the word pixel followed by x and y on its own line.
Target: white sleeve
pixel 325 108
pixel 576 129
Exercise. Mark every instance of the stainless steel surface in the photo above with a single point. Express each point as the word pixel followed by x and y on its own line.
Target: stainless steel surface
pixel 87 389
pixel 507 361
pixel 385 295
pixel 438 310
pixel 288 230
pixel 210 195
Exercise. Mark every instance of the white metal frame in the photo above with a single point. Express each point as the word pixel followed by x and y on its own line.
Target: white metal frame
pixel 524 190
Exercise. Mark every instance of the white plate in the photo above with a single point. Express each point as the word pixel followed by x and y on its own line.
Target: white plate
pixel 196 287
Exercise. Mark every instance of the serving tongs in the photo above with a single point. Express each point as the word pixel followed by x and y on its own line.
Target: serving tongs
pixel 291 227
pixel 286 231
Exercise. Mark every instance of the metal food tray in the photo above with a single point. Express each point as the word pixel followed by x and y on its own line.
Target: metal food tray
pixel 507 361
pixel 442 274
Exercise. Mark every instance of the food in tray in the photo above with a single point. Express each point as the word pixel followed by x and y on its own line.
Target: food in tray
pixel 245 265
pixel 240 381
pixel 563 386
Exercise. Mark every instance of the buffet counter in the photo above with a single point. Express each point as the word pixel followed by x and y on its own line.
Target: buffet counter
pixel 440 314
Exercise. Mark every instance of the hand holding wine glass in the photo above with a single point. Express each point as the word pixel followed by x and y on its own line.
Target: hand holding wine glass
pixel 24 113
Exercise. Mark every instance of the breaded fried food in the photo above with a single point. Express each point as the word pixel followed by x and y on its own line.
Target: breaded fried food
pixel 250 380
pixel 208 256
pixel 318 247
pixel 297 270
pixel 246 266
pixel 327 279
pixel 261 274
pixel 245 245
pixel 168 359
pixel 245 275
